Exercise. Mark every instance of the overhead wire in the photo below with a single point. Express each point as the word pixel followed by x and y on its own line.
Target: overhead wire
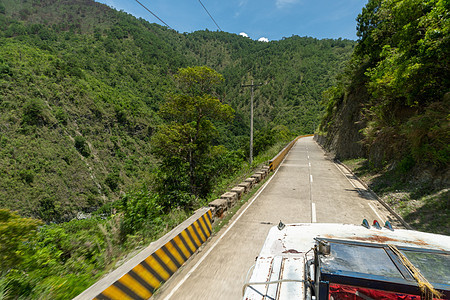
pixel 154 14
pixel 210 15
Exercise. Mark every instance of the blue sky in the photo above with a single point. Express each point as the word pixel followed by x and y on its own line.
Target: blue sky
pixel 272 19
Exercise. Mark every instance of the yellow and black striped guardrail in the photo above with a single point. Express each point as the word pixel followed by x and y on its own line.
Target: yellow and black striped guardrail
pixel 155 264
pixel 144 273
pixel 276 161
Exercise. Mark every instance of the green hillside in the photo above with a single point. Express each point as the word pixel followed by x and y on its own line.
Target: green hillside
pixel 390 108
pixel 100 153
pixel 81 85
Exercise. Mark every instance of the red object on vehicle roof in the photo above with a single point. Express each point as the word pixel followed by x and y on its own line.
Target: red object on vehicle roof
pixel 345 292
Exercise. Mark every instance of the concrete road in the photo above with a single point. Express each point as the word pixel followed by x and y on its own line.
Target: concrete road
pixel 307 187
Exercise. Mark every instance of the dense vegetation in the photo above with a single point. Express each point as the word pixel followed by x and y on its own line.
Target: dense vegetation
pixel 88 98
pixel 82 85
pixel 397 88
pixel 402 58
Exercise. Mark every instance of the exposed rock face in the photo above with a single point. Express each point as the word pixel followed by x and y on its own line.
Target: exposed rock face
pixel 344 139
pixel 344 135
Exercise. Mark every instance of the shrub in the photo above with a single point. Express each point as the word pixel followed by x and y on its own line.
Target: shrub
pixel 81 146
pixel 112 180
pixel 47 209
pixel 140 208
pixel 15 231
pixel 61 115
pixel 27 176
pixel 33 113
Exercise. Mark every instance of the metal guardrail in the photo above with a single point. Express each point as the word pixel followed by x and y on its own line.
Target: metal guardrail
pixel 276 161
pixel 139 277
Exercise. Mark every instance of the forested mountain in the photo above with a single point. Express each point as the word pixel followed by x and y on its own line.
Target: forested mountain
pixel 89 97
pixel 81 86
pixel 391 106
pixel 113 129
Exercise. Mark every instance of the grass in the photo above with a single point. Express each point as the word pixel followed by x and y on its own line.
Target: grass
pixel 428 213
pixel 421 203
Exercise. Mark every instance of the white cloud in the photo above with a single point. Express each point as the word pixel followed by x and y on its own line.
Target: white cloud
pixel 263 39
pixel 283 3
pixel 243 34
pixel 243 3
pixel 240 8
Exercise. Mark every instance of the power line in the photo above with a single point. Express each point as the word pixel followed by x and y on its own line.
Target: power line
pixel 154 14
pixel 210 15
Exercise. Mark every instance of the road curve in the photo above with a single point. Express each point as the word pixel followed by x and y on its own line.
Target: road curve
pixel 307 187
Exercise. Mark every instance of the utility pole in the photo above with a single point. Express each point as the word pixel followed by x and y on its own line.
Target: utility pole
pixel 251 118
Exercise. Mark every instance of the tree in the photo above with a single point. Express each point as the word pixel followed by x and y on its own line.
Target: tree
pixel 402 58
pixel 413 36
pixel 33 113
pixel 367 22
pixel 184 143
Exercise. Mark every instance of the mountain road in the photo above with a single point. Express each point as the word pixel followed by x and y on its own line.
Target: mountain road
pixel 308 187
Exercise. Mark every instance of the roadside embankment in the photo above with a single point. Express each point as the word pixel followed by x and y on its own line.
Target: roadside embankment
pixel 418 195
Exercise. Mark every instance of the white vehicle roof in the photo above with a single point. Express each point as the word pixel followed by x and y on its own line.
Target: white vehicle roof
pixel 285 253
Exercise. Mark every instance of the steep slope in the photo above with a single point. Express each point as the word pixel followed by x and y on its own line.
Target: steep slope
pixel 341 130
pixel 389 109
pixel 397 78
pixel 76 117
pixel 82 84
